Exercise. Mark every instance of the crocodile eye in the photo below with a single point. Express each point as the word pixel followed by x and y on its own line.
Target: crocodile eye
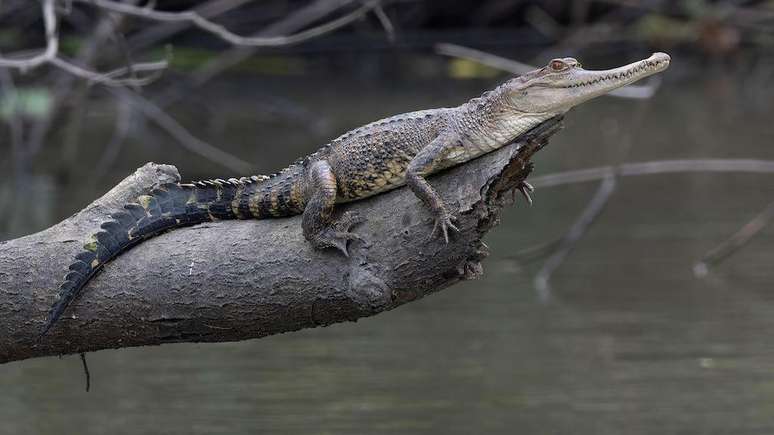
pixel 557 65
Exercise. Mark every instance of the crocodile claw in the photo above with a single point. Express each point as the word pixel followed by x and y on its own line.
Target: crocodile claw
pixel 445 221
pixel 338 234
pixel 525 189
pixel 340 239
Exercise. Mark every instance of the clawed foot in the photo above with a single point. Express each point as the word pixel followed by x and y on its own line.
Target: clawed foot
pixel 525 189
pixel 445 221
pixel 337 235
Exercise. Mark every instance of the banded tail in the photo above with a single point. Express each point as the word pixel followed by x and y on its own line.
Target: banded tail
pixel 173 206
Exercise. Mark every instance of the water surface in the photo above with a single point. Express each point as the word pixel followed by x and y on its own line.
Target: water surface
pixel 629 343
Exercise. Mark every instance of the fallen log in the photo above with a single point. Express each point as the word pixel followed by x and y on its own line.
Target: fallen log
pixel 237 280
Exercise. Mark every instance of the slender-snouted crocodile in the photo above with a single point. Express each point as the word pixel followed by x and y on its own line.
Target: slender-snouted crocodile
pixel 380 156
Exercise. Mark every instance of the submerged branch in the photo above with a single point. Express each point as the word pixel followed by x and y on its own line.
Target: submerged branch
pixel 573 234
pixel 701 268
pixel 655 167
pixel 735 242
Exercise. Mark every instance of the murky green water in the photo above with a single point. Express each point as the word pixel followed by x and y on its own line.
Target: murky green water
pixel 630 342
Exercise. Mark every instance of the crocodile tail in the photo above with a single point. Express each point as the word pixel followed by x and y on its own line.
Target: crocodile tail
pixel 167 207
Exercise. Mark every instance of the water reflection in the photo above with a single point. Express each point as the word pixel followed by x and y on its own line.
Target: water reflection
pixel 630 342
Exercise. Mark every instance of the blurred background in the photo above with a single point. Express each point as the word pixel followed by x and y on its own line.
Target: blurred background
pixel 636 297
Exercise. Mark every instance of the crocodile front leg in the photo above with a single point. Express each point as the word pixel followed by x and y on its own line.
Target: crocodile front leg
pixel 322 228
pixel 427 161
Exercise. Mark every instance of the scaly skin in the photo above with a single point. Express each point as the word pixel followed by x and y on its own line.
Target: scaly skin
pixel 377 157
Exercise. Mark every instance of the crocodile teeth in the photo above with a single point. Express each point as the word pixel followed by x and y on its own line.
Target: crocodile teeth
pixel 617 76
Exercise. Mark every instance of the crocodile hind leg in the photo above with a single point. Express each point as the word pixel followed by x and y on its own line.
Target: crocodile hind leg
pixel 323 227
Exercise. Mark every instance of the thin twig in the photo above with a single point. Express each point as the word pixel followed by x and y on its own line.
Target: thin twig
pixel 52 43
pixel 65 89
pixel 623 145
pixel 107 78
pixel 166 122
pixel 713 257
pixel 484 58
pixel 656 167
pixel 150 36
pixel 15 130
pixel 537 252
pixel 116 142
pixel 384 20
pixel 15 127
pixel 573 234
pixel 233 56
pixel 216 29
pixel 86 371
pixel 50 56
pixel 542 21
pixel 518 68
pixel 605 28
pixel 120 40
pixel 724 250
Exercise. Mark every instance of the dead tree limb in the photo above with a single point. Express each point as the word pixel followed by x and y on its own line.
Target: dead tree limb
pixel 567 243
pixel 736 242
pixel 197 20
pixel 235 280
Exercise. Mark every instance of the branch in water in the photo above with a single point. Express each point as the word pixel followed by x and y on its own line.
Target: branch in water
pixel 656 167
pixel 236 280
pixel 723 251
pixel 701 268
pixel 573 234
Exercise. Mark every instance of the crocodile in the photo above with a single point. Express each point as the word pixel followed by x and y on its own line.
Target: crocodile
pixel 400 150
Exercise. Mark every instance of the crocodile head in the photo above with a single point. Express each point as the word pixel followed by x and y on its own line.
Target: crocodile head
pixel 563 84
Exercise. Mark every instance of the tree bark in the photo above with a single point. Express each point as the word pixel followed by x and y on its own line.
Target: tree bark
pixel 236 280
